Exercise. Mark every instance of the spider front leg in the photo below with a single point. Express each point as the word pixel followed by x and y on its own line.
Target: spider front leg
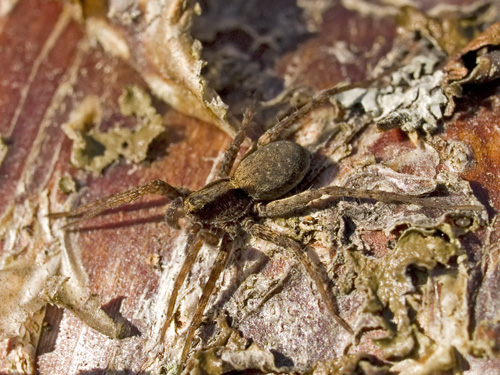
pixel 274 133
pixel 216 270
pixel 93 209
pixel 282 240
pixel 234 147
pixel 193 244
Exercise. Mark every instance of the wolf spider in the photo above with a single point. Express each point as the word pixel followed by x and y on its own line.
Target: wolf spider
pixel 230 205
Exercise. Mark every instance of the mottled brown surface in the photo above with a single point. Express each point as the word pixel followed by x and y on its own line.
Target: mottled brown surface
pixel 318 64
pixel 46 73
pixel 476 125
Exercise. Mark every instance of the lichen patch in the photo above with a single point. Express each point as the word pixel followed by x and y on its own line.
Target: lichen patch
pixel 93 150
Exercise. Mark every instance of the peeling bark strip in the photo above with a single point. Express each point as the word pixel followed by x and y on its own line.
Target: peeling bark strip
pixel 416 281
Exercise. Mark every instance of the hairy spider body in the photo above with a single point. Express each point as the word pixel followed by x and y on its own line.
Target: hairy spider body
pixel 268 173
pixel 217 203
pixel 256 190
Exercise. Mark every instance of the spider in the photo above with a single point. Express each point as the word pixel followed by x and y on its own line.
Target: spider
pixel 259 188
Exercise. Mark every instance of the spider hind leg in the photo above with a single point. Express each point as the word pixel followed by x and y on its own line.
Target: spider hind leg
pixel 299 254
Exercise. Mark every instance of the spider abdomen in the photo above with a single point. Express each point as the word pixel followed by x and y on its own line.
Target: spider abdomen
pixel 272 170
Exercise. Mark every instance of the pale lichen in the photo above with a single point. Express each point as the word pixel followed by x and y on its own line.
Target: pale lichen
pixel 94 150
pixel 412 101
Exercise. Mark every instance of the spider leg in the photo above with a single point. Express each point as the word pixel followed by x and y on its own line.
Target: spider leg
pixel 93 209
pixel 234 147
pixel 193 245
pixel 274 133
pixel 286 242
pixel 275 289
pixel 217 268
pixel 298 203
pixel 174 212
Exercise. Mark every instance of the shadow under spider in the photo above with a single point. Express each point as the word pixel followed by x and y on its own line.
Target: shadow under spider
pixel 234 205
